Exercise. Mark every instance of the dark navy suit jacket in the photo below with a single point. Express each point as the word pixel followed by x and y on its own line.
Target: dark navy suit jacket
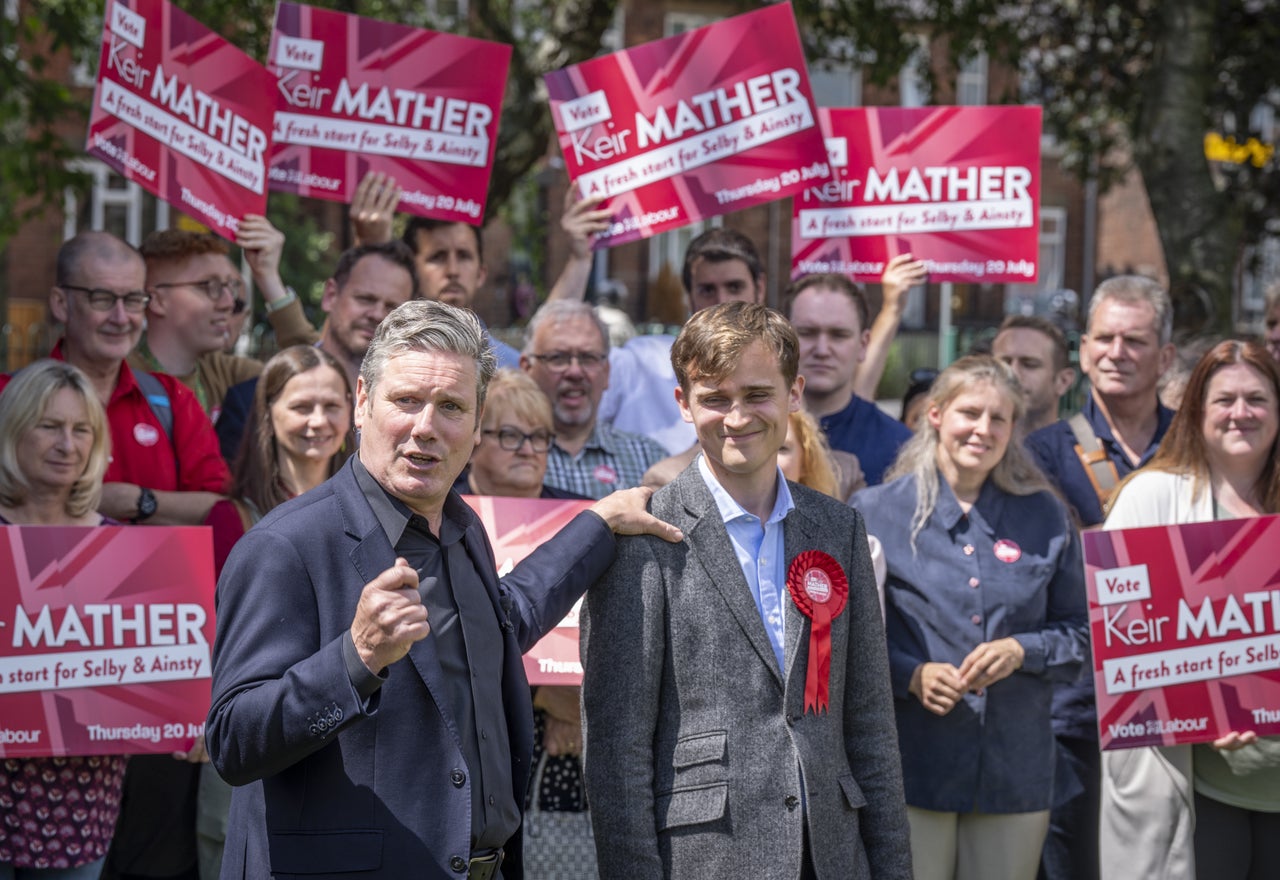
pixel 330 782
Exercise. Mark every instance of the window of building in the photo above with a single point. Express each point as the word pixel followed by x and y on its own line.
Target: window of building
pixel 971 81
pixel 1026 298
pixel 913 89
pixel 113 204
pixel 674 23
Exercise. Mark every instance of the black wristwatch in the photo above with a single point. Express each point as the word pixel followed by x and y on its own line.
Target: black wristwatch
pixel 146 504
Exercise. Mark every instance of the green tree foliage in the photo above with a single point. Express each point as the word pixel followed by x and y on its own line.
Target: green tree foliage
pixel 1123 83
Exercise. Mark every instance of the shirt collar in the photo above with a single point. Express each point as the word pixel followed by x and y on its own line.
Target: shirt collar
pixel 395 516
pixel 731 510
pixel 984 512
pixel 1098 421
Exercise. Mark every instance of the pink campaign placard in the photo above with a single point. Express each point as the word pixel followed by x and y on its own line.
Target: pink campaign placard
pixel 714 120
pixel 516 527
pixel 105 637
pixel 355 95
pixel 958 187
pixel 179 110
pixel 1185 623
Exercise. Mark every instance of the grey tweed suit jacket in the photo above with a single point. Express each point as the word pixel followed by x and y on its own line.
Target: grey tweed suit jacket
pixel 700 759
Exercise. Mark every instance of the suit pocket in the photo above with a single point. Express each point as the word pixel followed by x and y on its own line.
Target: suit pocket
pixel 325 852
pixel 700 748
pixel 852 792
pixel 691 806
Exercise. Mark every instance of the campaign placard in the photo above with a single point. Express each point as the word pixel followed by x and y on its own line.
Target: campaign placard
pixel 957 187
pixel 355 95
pixel 713 120
pixel 179 110
pixel 105 637
pixel 516 527
pixel 1185 623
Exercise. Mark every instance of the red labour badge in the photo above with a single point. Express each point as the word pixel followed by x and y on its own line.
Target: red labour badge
pixel 820 590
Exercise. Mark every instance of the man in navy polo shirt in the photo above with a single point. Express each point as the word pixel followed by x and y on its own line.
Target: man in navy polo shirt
pixel 830 315
pixel 1124 352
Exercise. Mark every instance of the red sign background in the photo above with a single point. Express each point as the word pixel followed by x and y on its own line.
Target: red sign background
pixel 179 110
pixel 1185 623
pixel 105 638
pixel 710 121
pixel 355 95
pixel 958 187
pixel 516 527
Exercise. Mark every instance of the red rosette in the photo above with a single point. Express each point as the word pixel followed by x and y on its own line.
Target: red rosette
pixel 820 590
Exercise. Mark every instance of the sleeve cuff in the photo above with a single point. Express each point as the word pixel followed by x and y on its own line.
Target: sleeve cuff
pixel 364 681
pixel 1033 658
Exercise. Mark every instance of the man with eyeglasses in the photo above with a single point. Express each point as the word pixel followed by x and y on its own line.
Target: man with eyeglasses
pixel 567 354
pixel 195 290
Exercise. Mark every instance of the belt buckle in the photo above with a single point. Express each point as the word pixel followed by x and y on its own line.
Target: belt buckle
pixel 484 867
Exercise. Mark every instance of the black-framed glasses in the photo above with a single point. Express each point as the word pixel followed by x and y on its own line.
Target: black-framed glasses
pixel 511 439
pixel 102 300
pixel 211 287
pixel 558 361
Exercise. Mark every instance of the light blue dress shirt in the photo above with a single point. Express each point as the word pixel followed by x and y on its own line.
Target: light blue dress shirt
pixel 761 553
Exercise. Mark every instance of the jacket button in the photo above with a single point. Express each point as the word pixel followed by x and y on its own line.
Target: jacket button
pixel 977 618
pixel 792 802
pixel 457 777
pixel 973 582
pixel 458 863
pixel 968 549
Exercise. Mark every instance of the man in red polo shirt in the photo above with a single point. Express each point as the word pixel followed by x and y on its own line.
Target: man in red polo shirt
pixel 164 469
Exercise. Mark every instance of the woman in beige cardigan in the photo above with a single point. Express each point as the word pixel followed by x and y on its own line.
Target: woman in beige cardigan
pixel 1213 811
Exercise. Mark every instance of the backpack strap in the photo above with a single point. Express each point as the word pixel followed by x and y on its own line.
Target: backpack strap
pixel 158 399
pixel 1099 467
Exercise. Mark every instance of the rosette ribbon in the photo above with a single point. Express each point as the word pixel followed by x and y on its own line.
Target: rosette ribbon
pixel 820 590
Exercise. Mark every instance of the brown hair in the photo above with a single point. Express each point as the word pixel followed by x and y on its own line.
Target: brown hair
pixel 1183 451
pixel 712 342
pixel 838 283
pixel 720 245
pixel 167 245
pixel 1061 354
pixel 256 475
pixel 817 470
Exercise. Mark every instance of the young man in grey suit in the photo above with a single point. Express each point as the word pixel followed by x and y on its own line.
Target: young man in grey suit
pixel 717 744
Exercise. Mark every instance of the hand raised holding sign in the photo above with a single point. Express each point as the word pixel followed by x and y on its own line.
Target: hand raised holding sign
pixel 390 617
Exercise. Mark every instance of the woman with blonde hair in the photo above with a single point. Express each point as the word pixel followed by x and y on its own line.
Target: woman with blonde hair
pixel 984 611
pixel 1210 810
pixel 805 456
pixel 57 815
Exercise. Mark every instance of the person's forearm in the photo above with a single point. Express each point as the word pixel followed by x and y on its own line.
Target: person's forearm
pixel 572 283
pixel 883 329
pixel 182 508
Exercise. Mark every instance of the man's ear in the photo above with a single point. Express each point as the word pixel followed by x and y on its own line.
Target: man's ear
pixel 59 308
pixel 683 403
pixel 1063 381
pixel 329 296
pixel 362 401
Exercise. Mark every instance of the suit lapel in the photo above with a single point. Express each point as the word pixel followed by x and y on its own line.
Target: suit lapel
pixel 710 543
pixel 796 538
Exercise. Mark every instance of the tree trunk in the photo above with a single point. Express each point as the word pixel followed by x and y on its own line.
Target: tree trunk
pixel 1199 227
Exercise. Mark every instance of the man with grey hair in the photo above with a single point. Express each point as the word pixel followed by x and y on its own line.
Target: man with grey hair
pixel 346 758
pixel 1126 348
pixel 567 353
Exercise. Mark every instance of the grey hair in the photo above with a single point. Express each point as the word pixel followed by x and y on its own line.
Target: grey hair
pixel 1014 473
pixel 564 310
pixel 1136 289
pixel 426 325
pixel 89 245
